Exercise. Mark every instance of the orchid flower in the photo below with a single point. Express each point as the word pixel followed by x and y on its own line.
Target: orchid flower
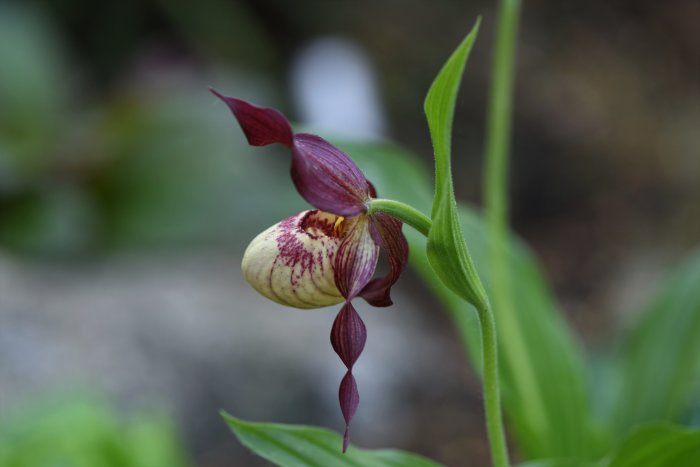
pixel 328 255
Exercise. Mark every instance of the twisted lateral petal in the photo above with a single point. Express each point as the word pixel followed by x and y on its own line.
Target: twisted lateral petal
pixel 291 263
pixel 327 178
pixel 261 125
pixel 348 337
pixel 356 258
pixel 386 231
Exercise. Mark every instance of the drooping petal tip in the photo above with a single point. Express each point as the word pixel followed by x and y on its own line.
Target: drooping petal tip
pixel 349 401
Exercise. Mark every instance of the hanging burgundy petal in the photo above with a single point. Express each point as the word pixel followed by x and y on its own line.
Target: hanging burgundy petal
pixel 348 337
pixel 387 232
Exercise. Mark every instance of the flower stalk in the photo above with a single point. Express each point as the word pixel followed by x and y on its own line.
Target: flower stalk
pixel 491 388
pixel 491 385
pixel 402 211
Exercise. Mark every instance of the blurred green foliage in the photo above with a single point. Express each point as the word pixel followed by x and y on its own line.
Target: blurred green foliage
pixel 656 373
pixel 84 431
pixel 148 164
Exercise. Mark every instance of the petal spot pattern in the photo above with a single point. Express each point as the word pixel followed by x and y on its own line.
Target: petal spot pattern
pixel 291 263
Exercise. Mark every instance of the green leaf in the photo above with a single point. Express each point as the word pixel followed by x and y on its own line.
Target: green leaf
pixel 297 445
pixel 660 357
pixel 656 445
pixel 659 445
pixel 544 380
pixel 559 463
pixel 542 367
pixel 447 251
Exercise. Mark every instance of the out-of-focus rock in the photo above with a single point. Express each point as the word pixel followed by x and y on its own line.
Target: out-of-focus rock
pixel 186 333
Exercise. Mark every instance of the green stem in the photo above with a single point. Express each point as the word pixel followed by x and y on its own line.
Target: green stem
pixel 499 118
pixel 404 212
pixel 492 395
pixel 497 149
pixel 492 392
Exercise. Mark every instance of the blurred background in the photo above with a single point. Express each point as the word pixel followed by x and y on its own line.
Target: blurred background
pixel 128 195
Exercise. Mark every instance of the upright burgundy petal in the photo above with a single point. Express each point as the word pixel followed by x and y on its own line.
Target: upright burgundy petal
pixel 348 337
pixel 323 174
pixel 356 258
pixel 261 125
pixel 388 234
pixel 327 178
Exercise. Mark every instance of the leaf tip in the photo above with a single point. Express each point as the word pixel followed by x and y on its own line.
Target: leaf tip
pixel 230 419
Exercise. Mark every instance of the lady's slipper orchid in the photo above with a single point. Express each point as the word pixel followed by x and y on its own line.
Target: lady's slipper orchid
pixel 325 256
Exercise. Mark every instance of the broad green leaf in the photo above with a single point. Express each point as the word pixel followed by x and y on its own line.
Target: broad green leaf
pixel 551 418
pixel 306 446
pixel 656 445
pixel 542 368
pixel 560 463
pixel 660 357
pixel 447 252
pixel 659 445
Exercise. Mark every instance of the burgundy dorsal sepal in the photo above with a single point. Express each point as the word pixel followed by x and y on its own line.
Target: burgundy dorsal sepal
pixel 327 178
pixel 324 175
